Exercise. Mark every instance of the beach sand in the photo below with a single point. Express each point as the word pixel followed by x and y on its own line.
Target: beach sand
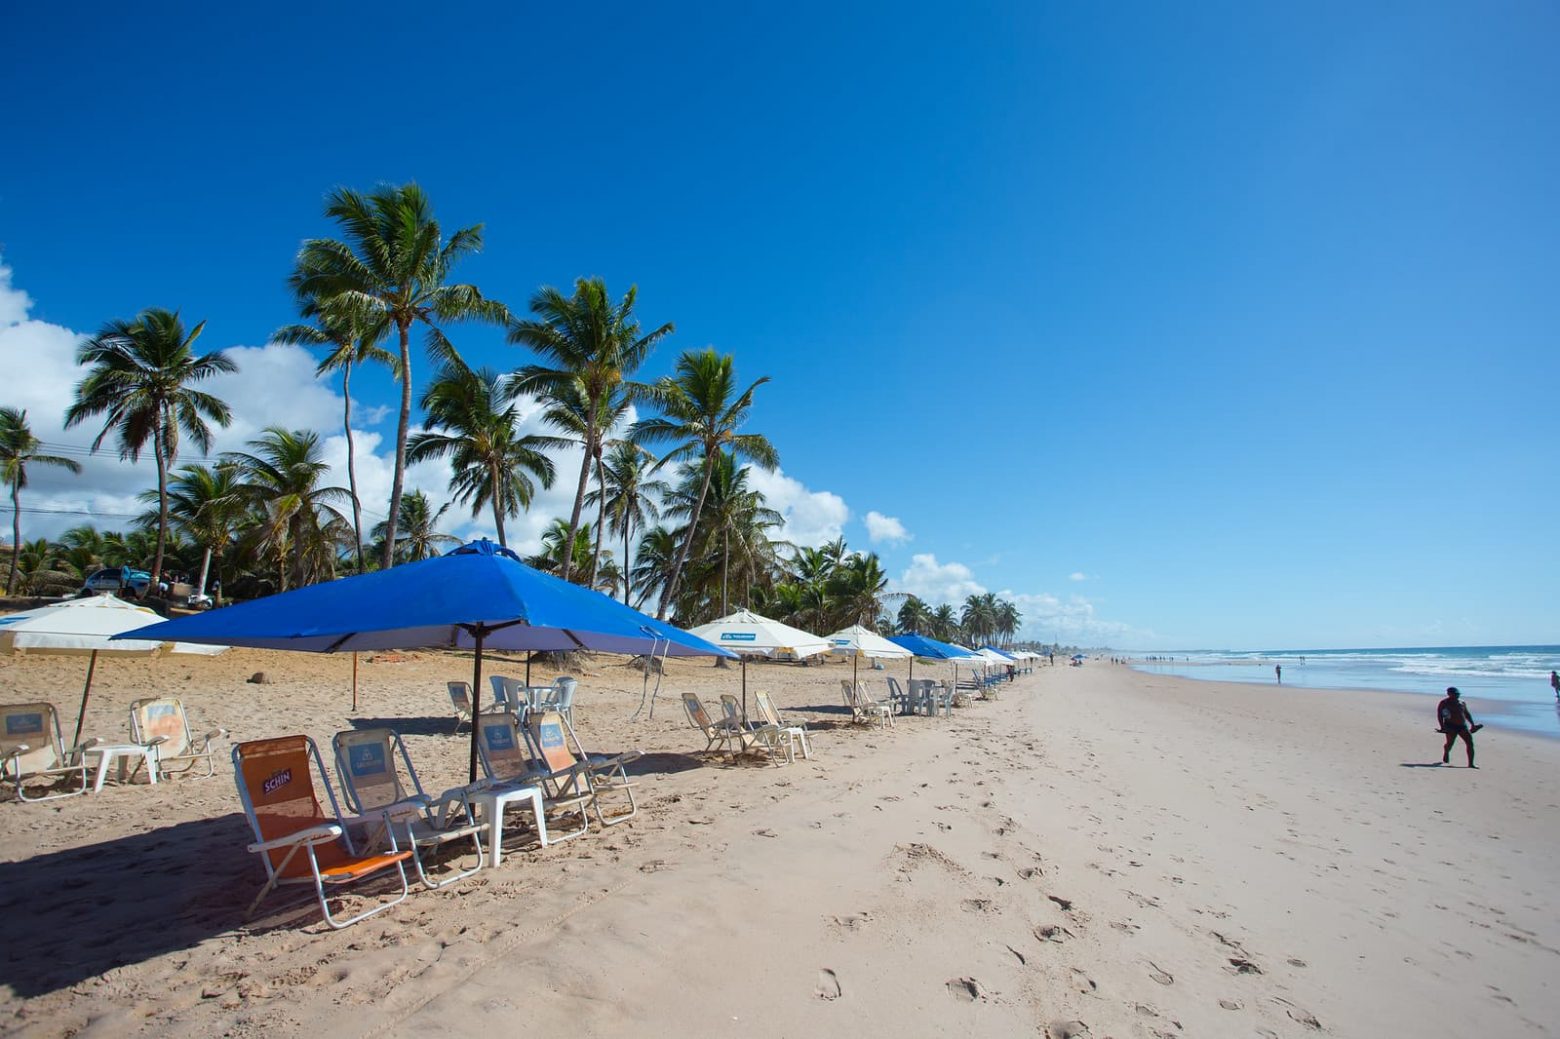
pixel 1097 853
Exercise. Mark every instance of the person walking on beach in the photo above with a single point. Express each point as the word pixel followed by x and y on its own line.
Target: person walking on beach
pixel 1456 720
pixel 1278 672
pixel 1554 683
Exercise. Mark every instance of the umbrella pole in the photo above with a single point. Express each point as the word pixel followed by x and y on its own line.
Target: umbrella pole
pixel 744 687
pixel 86 690
pixel 528 670
pixel 476 703
pixel 354 680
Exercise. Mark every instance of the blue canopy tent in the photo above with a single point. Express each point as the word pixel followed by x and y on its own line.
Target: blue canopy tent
pixel 478 596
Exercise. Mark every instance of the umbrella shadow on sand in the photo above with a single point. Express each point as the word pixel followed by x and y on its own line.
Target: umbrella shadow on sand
pixel 87 910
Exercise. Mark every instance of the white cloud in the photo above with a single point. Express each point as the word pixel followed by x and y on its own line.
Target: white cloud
pixel 937 583
pixel 811 517
pixel 883 529
pixel 14 303
pixel 1077 575
pixel 1048 618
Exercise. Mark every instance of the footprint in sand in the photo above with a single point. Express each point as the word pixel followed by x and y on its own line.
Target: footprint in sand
pixel 1230 1004
pixel 1067 1030
pixel 1299 1014
pixel 1159 975
pixel 828 985
pixel 965 990
pixel 1238 965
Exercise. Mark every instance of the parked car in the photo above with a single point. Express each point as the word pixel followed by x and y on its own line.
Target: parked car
pixel 119 579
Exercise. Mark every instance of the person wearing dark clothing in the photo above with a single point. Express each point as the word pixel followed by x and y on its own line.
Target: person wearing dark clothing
pixel 1456 720
pixel 1278 673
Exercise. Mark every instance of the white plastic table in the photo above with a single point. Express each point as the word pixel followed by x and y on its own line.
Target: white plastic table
pixel 491 801
pixel 108 753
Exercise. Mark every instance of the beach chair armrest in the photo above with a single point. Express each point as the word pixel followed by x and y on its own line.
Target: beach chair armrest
pixel 156 741
pixel 214 734
pixel 313 835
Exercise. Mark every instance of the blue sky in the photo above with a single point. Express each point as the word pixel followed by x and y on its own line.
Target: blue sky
pixel 1225 326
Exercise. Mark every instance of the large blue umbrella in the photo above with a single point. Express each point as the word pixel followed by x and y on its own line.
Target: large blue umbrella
pixel 478 596
pixel 932 649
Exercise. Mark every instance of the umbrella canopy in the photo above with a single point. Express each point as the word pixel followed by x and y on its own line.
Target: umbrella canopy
pixel 991 656
pixel 87 626
pixel 1007 657
pixel 747 634
pixel 859 641
pixel 931 649
pixel 479 595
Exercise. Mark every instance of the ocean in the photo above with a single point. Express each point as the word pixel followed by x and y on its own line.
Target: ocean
pixel 1506 686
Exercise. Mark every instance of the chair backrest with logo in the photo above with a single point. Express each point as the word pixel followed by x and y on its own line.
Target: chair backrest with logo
pixel 502 750
pixel 276 785
pixel 37 727
pixel 164 719
pixel 366 764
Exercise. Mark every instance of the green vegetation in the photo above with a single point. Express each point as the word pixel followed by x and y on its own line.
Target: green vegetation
pixel 695 533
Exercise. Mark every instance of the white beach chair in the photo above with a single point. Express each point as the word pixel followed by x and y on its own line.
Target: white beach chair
pixel 733 740
pixel 460 700
pixel 31 749
pixel 370 764
pixel 505 762
pixel 768 736
pixel 794 736
pixel 556 753
pixel 862 707
pixel 296 839
pixel 161 722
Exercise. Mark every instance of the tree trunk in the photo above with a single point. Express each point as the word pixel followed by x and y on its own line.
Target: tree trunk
pixel 579 504
pixel 601 518
pixel 346 425
pixel 205 571
pixel 498 509
pixel 628 571
pixel 162 508
pixel 693 529
pixel 16 533
pixel 393 519
pixel 725 567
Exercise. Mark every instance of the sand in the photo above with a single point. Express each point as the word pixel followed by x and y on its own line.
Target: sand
pixel 1096 853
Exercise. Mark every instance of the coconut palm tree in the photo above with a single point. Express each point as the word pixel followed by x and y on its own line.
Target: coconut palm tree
pixel 420 538
pixel 351 334
pixel 280 478
pixel 703 415
pixel 395 263
pixel 140 377
pixel 553 556
pixel 731 512
pixel 591 341
pixel 944 623
pixel 628 497
pixel 471 421
pixel 854 589
pixel 41 570
pixel 567 408
pixel 208 506
pixel 19 449
pixel 653 559
pixel 914 616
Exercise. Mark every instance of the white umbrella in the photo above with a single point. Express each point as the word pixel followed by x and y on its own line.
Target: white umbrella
pixel 84 626
pixel 857 641
pixel 749 635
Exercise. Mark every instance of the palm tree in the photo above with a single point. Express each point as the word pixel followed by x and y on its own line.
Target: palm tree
pixel 140 378
pixel 350 334
pixel 703 414
pixel 417 531
pixel 18 449
pixel 854 590
pixel 395 263
pixel 41 570
pixel 208 506
pixel 731 512
pixel 914 616
pixel 627 496
pixel 594 345
pixel 470 421
pixel 281 481
pixel 944 623
pixel 657 551
pixel 567 408
pixel 553 556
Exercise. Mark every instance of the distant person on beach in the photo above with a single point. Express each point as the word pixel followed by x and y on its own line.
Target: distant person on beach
pixel 1554 683
pixel 1456 720
pixel 1278 672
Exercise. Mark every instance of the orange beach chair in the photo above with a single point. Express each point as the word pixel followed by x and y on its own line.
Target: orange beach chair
pixel 296 839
